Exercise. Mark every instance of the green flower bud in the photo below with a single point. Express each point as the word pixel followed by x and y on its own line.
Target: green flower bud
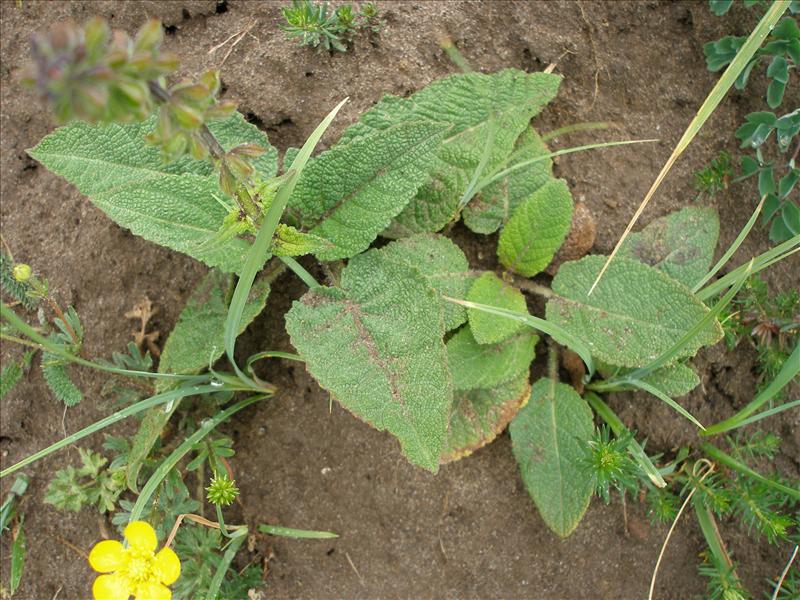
pixel 222 490
pixel 22 272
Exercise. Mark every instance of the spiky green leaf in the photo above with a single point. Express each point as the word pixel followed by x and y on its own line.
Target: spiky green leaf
pixel 58 380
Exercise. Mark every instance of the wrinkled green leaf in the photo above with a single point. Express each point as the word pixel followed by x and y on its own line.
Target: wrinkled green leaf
pixel 441 263
pixel 350 193
pixel 548 438
pixel 196 342
pixel 490 289
pixel 634 314
pixel 376 345
pixel 479 415
pixel 475 366
pixel 178 205
pixel 474 104
pixel 681 244
pixel 493 206
pixel 537 229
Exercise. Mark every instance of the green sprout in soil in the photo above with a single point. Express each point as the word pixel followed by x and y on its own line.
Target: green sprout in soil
pixel 312 24
pixel 408 336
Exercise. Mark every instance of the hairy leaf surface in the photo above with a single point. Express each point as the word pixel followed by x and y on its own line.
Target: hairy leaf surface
pixel 350 193
pixel 491 208
pixel 376 345
pixel 481 108
pixel 681 244
pixel 537 229
pixel 490 289
pixel 475 365
pixel 441 263
pixel 178 205
pixel 547 438
pixel 479 415
pixel 634 314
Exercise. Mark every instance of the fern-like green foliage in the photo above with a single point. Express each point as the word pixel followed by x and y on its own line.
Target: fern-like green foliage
pixel 91 484
pixel 11 286
pixel 70 337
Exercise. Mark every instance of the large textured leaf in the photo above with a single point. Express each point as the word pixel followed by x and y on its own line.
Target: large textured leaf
pixel 376 345
pixel 350 193
pixel 681 244
pixel 634 314
pixel 537 229
pixel 548 437
pixel 490 289
pixel 196 342
pixel 178 205
pixel 479 415
pixel 441 263
pixel 491 208
pixel 474 365
pixel 478 107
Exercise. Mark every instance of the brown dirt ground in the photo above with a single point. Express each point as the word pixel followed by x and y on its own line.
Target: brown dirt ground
pixel 471 531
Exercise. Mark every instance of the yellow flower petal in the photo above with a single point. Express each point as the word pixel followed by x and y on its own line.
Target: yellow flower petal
pixel 141 536
pixel 167 566
pixel 110 587
pixel 152 591
pixel 107 556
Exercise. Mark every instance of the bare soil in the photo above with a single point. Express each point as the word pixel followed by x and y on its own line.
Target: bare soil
pixel 471 531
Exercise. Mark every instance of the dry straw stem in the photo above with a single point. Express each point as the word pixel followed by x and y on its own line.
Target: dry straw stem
pixel 706 465
pixel 716 95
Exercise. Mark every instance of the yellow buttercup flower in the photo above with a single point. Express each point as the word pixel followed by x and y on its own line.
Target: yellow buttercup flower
pixel 137 570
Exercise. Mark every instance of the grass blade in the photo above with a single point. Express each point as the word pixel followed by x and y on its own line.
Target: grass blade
pixel 133 409
pixel 554 331
pixel 521 165
pixel 767 413
pixel 173 459
pixel 733 247
pixel 225 563
pixel 296 533
pixel 787 374
pixel 760 262
pixel 259 250
pixel 711 102
pixel 643 385
pixel 720 456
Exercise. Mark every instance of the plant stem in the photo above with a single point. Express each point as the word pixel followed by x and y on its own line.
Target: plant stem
pixel 742 468
pixel 163 96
